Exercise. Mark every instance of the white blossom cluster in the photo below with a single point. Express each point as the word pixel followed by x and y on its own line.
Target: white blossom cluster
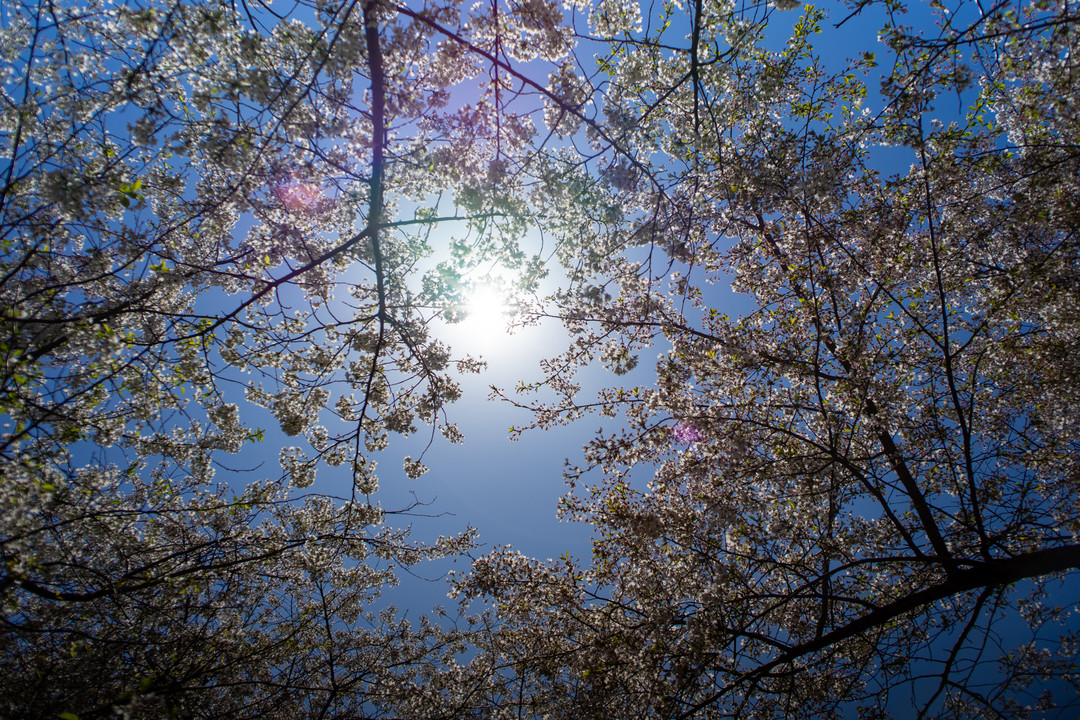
pixel 611 18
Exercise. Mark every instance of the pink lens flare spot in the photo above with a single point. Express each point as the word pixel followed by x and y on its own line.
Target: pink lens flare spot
pixel 298 196
pixel 687 433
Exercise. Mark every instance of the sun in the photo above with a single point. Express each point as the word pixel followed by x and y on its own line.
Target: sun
pixel 487 317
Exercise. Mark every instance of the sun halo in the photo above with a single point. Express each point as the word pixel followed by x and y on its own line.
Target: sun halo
pixel 487 316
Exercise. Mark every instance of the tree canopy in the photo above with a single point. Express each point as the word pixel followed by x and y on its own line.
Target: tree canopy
pixel 858 499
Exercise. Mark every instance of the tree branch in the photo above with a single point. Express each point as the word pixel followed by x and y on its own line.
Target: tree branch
pixel 984 575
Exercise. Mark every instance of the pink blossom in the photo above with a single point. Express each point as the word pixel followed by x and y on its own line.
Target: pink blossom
pixel 298 196
pixel 687 433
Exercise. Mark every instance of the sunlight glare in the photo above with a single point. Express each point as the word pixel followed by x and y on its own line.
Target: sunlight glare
pixel 487 316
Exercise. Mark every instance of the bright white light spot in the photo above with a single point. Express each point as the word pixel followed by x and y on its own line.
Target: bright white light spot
pixel 487 316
